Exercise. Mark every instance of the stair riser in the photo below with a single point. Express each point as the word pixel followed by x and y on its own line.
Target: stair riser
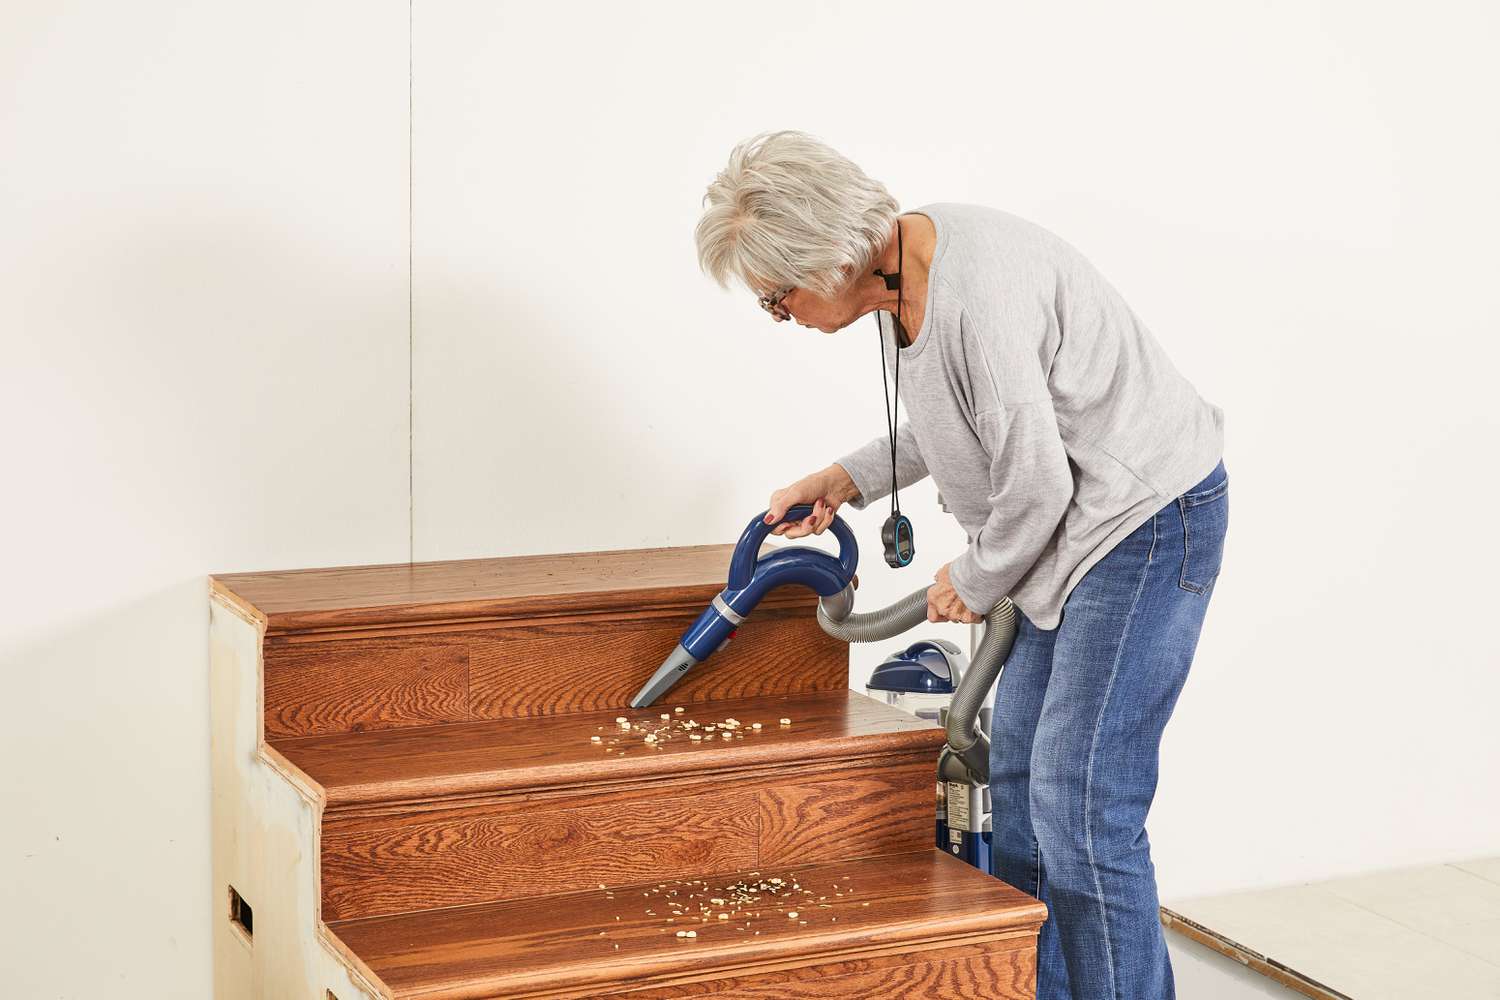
pixel 388 861
pixel 1003 969
pixel 321 683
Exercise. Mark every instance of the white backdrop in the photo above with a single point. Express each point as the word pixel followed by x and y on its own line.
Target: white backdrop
pixel 206 347
pixel 204 368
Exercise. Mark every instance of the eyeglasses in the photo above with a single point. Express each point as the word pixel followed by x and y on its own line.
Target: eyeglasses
pixel 772 304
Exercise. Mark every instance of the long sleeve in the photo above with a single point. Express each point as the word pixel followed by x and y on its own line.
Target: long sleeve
pixel 870 466
pixel 1031 486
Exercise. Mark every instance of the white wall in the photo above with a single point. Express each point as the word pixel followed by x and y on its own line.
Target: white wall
pixel 204 239
pixel 1297 198
pixel 204 368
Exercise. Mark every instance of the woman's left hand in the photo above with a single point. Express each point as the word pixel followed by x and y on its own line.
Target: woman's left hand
pixel 944 604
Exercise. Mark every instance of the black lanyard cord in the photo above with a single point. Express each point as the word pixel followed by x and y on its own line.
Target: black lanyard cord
pixel 891 412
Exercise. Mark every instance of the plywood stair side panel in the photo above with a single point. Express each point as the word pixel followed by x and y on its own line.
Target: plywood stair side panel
pixel 265 831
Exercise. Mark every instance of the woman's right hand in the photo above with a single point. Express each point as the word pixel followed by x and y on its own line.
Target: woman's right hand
pixel 826 491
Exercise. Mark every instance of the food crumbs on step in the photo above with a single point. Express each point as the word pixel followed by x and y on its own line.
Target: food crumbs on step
pixel 670 728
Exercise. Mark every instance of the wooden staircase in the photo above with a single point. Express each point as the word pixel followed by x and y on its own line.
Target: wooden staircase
pixel 422 789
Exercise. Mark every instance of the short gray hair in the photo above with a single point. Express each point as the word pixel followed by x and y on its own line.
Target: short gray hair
pixel 789 210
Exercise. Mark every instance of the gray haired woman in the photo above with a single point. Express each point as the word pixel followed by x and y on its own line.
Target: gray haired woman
pixel 1085 469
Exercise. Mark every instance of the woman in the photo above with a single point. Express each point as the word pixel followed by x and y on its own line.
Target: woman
pixel 1086 471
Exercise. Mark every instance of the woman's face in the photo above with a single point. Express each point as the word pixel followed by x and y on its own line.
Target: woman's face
pixel 810 309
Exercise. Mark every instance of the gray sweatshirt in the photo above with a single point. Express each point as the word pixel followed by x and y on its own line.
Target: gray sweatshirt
pixel 1048 416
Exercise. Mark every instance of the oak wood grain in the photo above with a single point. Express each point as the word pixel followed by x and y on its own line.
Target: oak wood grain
pixel 510 586
pixel 565 945
pixel 384 863
pixel 442 714
pixel 489 856
pixel 331 688
pixel 417 674
pixel 858 814
pixel 547 668
pixel 1002 969
pixel 508 755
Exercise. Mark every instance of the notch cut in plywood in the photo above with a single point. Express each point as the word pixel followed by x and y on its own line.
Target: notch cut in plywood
pixel 241 916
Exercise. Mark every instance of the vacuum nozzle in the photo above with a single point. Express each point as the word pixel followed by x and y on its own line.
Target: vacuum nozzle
pixel 677 663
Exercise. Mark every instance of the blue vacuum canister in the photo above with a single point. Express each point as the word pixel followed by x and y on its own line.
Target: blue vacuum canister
pixel 921 679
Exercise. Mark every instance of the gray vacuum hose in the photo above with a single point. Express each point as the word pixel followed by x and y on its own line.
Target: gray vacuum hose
pixel 965 739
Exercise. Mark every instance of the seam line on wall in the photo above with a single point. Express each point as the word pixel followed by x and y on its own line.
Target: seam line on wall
pixel 411 455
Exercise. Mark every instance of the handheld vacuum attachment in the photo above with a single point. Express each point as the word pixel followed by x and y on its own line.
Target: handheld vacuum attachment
pixel 967 755
pixel 750 578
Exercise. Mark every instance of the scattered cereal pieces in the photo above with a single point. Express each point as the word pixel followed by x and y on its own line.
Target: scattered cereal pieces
pixel 621 719
pixel 786 722
pixel 755 725
pixel 791 915
pixel 595 739
pixel 665 717
pixel 679 710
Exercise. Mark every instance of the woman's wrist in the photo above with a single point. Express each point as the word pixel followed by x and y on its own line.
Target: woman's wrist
pixel 841 484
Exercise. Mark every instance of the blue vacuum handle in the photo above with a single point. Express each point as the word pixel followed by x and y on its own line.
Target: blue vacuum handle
pixel 747 550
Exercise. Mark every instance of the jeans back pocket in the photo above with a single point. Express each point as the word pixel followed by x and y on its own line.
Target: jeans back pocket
pixel 1205 521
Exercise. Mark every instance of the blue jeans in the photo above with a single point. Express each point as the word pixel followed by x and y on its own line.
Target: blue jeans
pixel 1076 735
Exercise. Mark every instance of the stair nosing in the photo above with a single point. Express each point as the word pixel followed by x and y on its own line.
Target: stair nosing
pixel 735 757
pixel 531 779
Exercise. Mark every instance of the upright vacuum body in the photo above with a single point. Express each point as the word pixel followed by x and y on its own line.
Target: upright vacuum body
pixel 921 679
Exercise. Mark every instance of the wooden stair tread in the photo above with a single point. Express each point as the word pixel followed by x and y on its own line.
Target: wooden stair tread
pixel 627 580
pixel 561 945
pixel 555 750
